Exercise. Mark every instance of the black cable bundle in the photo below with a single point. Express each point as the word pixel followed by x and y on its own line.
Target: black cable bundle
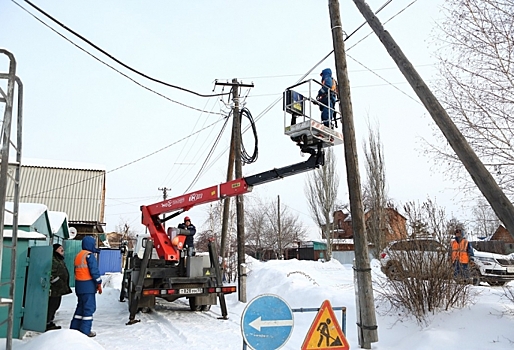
pixel 245 157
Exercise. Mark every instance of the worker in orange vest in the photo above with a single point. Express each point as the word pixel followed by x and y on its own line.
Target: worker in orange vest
pixel 87 283
pixel 461 254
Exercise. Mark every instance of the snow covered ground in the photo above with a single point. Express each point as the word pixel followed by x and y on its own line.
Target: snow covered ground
pixel 487 324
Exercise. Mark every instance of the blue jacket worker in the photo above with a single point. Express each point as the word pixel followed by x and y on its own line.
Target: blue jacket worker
pixel 327 89
pixel 190 241
pixel 87 283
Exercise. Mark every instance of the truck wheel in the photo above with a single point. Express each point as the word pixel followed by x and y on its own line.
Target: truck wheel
pixel 193 306
pixel 206 307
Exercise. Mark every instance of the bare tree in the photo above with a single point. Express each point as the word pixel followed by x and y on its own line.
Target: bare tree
pixel 375 191
pixel 321 192
pixel 428 220
pixel 476 59
pixel 262 232
pixel 127 232
pixel 210 231
pixel 420 275
pixel 485 222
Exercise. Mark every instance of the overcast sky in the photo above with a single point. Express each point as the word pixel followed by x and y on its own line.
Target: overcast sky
pixel 78 109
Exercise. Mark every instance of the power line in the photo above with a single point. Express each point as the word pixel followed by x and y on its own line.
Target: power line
pixel 113 68
pixel 267 109
pixel 112 57
pixel 183 172
pixel 208 156
pixel 384 79
pixel 350 71
pixel 122 166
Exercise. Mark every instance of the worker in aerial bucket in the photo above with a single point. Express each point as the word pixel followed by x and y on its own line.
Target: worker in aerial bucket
pixel 327 96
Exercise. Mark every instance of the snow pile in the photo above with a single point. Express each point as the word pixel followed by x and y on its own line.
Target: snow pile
pixel 487 324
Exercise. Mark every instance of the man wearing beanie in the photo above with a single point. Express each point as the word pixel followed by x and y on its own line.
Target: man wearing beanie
pixel 59 285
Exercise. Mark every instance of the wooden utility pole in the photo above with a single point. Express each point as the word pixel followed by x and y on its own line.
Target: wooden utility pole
pixel 236 144
pixel 485 182
pixel 226 201
pixel 279 229
pixel 241 262
pixel 366 318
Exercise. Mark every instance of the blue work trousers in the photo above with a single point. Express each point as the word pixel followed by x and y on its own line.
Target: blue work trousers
pixel 83 317
pixel 327 113
pixel 460 270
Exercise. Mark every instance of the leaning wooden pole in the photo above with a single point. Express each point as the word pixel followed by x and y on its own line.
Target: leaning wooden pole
pixel 485 182
pixel 366 305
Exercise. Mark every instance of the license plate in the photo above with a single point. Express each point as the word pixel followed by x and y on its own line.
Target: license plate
pixel 510 269
pixel 190 291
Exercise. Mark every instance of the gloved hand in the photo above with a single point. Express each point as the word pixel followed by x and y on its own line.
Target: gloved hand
pixel 99 288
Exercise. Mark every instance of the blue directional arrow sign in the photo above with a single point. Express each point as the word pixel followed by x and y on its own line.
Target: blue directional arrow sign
pixel 267 322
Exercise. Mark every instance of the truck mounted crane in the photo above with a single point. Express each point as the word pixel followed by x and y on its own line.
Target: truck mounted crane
pixel 162 267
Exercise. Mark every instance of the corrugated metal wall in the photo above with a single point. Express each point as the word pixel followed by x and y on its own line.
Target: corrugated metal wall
pixel 79 193
pixel 109 261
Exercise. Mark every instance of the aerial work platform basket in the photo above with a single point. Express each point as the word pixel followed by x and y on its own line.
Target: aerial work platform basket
pixel 303 123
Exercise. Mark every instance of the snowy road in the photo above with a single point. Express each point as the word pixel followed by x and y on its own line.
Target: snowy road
pixel 170 325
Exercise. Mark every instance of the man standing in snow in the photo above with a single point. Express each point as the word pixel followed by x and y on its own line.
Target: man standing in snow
pixel 87 283
pixel 460 255
pixel 59 285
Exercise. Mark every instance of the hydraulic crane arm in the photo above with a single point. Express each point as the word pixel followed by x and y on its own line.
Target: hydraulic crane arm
pixel 169 247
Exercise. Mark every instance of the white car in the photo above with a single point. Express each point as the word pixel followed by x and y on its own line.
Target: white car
pixel 495 269
pixel 412 257
pixel 399 260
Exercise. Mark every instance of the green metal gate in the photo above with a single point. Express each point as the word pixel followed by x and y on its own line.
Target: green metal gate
pixel 71 249
pixel 38 288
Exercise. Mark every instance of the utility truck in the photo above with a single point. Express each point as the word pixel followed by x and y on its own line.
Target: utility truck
pixel 159 266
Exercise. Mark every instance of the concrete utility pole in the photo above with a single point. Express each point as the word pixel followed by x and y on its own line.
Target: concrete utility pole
pixel 366 318
pixel 236 144
pixel 485 182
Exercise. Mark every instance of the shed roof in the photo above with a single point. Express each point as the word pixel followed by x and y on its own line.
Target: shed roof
pixel 60 164
pixel 77 189
pixel 28 213
pixel 25 235
pixel 57 219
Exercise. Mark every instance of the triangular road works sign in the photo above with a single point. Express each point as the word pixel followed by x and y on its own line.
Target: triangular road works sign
pixel 325 333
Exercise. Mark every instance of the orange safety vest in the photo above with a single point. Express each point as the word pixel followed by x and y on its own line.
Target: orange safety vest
pixel 460 251
pixel 81 269
pixel 334 88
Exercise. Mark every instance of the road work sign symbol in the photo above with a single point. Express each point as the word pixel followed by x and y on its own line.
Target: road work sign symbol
pixel 325 333
pixel 266 322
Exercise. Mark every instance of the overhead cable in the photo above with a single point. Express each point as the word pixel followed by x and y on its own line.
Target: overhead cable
pixel 113 68
pixel 122 166
pixel 209 155
pixel 114 58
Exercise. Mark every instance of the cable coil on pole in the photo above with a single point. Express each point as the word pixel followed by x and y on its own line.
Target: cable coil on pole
pixel 245 157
